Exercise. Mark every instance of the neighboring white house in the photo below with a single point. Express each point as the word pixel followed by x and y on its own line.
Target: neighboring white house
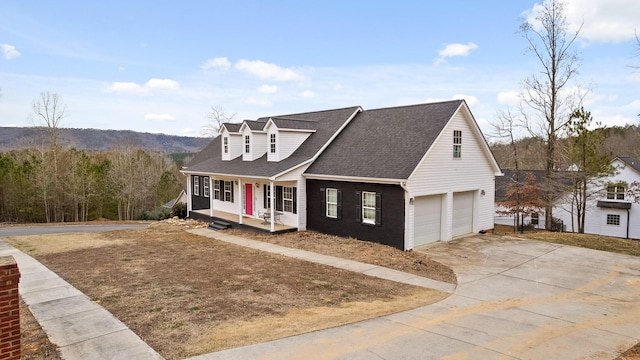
pixel 611 212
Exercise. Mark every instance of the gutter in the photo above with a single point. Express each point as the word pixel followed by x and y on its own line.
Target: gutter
pixel 628 220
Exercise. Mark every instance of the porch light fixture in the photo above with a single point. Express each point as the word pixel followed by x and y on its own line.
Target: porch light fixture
pixel 482 192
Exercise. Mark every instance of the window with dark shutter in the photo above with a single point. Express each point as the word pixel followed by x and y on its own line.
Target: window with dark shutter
pixel 279 198
pixel 358 206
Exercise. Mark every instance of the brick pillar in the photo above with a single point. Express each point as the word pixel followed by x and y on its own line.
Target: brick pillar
pixel 9 309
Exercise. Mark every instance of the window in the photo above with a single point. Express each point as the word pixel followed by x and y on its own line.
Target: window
pixel 616 191
pixel 228 191
pixel 457 143
pixel 613 219
pixel 205 186
pixel 535 218
pixel 267 196
pixel 216 189
pixel 272 143
pixel 287 199
pixel 247 144
pixel 332 203
pixel 196 185
pixel 368 207
pixel 225 141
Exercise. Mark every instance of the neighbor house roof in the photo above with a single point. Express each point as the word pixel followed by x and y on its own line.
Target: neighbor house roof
pixel 325 123
pixel 385 143
pixel 630 161
pixel 563 182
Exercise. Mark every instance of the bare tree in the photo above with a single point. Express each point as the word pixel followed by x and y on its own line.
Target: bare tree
pixel 548 98
pixel 216 117
pixel 49 110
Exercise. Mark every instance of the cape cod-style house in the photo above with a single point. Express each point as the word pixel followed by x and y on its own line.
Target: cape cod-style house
pixel 402 176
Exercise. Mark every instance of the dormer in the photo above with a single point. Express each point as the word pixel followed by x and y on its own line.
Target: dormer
pixel 285 135
pixel 230 141
pixel 253 140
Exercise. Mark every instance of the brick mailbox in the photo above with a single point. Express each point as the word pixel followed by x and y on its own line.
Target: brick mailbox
pixel 9 309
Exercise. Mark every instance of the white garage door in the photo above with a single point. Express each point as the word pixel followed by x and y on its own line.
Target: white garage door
pixel 426 220
pixel 462 213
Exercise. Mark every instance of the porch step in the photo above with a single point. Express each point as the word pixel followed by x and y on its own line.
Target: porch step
pixel 220 225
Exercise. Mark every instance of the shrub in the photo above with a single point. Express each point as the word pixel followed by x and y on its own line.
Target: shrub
pixel 179 210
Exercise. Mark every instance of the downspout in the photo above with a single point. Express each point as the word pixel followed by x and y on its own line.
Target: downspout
pixel 628 219
pixel 403 185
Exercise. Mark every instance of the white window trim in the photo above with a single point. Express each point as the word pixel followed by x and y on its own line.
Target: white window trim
pixel 216 189
pixel 272 143
pixel 196 185
pixel 227 184
pixel 364 207
pixel 457 144
pixel 617 193
pixel 247 144
pixel 287 200
pixel 225 141
pixel 613 219
pixel 328 203
pixel 205 186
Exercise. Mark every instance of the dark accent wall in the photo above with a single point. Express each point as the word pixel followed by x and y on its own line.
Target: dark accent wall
pixel 200 202
pixel 389 231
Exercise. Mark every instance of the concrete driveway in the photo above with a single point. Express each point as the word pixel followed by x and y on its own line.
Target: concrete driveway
pixel 516 299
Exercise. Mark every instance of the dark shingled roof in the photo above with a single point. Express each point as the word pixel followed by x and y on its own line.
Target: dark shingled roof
pixel 232 127
pixel 385 143
pixel 563 183
pixel 297 124
pixel 209 160
pixel 614 205
pixel 631 162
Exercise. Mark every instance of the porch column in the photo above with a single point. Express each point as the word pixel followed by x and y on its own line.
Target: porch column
pixel 189 204
pixel 239 201
pixel 272 194
pixel 210 196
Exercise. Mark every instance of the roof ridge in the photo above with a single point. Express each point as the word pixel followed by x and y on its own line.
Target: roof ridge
pixel 285 118
pixel 415 105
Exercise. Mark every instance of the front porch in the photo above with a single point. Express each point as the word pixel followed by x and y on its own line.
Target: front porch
pixel 248 222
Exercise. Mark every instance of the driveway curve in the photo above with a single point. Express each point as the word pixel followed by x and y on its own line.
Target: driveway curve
pixel 516 299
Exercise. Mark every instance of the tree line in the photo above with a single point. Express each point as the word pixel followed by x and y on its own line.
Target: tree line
pixel 51 183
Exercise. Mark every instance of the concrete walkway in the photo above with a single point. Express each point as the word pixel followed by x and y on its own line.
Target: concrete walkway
pixel 516 299
pixel 79 327
pixel 351 265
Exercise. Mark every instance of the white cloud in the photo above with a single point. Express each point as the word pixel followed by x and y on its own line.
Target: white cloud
pixel 164 84
pixel 268 71
pixel 601 20
pixel 268 89
pixel 307 94
pixel 256 101
pixel 134 88
pixel 508 97
pixel 126 88
pixel 9 51
pixel 216 63
pixel 470 99
pixel 455 50
pixel 158 117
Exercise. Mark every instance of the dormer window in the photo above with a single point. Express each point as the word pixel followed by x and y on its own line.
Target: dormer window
pixel 247 144
pixel 225 141
pixel 272 143
pixel 457 144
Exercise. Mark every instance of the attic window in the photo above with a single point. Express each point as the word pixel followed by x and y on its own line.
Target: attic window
pixel 247 144
pixel 225 140
pixel 457 144
pixel 272 143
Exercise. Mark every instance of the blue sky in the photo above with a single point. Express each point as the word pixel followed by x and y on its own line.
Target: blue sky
pixel 160 66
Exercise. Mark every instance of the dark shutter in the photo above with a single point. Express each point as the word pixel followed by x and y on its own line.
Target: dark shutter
pixel 358 206
pixel 294 192
pixel 222 187
pixel 339 206
pixel 279 198
pixel 231 190
pixel 264 196
pixel 323 202
pixel 378 208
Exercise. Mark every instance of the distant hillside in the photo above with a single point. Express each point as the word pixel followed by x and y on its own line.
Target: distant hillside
pixel 12 138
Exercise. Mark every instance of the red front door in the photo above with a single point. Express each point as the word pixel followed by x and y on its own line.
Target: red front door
pixel 248 199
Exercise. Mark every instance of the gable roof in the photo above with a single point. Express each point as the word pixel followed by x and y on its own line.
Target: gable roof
pixel 327 123
pixel 232 127
pixel 630 161
pixel 397 137
pixel 563 181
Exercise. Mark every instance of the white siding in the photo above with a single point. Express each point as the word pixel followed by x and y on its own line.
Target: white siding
pixel 235 146
pixel 596 217
pixel 258 144
pixel 440 173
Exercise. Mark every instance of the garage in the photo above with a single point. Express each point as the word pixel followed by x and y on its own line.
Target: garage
pixel 462 213
pixel 427 219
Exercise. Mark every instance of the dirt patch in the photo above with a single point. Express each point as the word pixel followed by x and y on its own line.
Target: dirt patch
pixel 365 251
pixel 35 343
pixel 186 295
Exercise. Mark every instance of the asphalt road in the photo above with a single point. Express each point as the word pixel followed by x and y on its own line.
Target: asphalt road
pixel 60 229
